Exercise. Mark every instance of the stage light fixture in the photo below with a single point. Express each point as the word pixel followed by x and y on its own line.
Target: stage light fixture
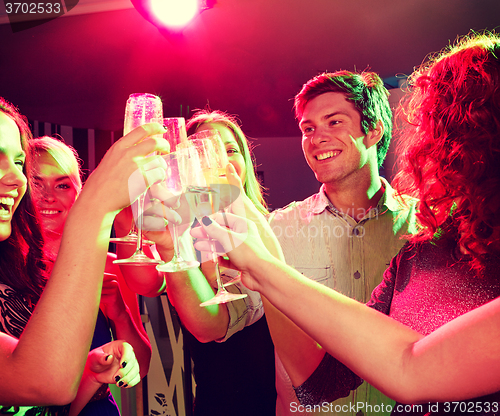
pixel 171 15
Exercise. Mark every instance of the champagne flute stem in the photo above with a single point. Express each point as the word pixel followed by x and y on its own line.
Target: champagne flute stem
pixel 140 211
pixel 177 254
pixel 220 286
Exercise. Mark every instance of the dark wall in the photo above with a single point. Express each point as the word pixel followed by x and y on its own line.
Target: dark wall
pixel 285 171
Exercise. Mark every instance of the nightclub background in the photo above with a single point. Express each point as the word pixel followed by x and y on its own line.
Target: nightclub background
pixel 71 77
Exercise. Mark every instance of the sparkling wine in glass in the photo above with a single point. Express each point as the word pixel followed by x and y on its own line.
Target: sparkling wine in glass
pixel 204 197
pixel 139 110
pixel 175 132
pixel 173 188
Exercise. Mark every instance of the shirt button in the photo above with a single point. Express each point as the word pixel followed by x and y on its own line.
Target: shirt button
pixel 357 275
pixel 355 231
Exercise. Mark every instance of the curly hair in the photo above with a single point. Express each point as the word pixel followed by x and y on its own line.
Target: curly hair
pixel 253 188
pixel 366 90
pixel 22 263
pixel 450 153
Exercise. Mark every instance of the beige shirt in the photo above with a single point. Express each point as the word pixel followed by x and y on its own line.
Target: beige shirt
pixel 346 255
pixel 241 313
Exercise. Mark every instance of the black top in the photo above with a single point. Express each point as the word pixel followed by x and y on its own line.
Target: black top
pixel 235 377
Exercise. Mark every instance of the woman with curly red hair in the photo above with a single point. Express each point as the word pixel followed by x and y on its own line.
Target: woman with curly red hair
pixel 450 158
pixel 440 352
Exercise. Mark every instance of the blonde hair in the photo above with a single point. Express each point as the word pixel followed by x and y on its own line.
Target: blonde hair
pixel 253 188
pixel 64 155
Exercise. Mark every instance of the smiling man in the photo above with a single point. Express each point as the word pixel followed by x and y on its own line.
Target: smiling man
pixel 344 236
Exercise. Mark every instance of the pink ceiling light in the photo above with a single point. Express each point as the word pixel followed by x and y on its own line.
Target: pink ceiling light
pixel 171 15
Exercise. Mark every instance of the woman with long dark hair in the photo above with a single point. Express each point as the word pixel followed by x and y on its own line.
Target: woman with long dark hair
pixel 45 365
pixel 57 183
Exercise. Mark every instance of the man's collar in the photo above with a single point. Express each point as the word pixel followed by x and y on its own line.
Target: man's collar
pixel 388 201
pixel 321 201
pixel 389 198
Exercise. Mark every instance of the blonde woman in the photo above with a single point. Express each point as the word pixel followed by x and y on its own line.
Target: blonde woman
pixel 56 186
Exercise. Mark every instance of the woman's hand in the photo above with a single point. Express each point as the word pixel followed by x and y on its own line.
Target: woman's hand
pixel 125 172
pixel 245 208
pixel 163 210
pixel 113 363
pixel 238 238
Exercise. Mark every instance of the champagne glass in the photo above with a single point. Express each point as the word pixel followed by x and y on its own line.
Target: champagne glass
pixel 140 109
pixel 176 132
pixel 204 195
pixel 228 193
pixel 173 187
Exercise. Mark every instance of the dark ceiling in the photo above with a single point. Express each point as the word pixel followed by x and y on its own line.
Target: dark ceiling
pixel 247 57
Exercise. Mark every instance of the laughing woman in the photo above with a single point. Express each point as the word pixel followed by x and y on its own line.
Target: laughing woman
pixel 44 367
pixel 56 186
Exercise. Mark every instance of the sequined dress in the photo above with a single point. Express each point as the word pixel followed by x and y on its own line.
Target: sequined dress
pixel 425 286
pixel 15 312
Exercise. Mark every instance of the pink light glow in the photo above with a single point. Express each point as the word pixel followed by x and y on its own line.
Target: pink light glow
pixel 174 13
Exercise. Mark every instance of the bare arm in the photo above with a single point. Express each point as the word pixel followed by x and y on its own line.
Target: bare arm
pixel 55 343
pixel 71 288
pixel 460 360
pixel 120 306
pixel 299 353
pixel 186 290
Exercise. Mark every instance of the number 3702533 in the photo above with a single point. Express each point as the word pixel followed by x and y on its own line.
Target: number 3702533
pixel 33 8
